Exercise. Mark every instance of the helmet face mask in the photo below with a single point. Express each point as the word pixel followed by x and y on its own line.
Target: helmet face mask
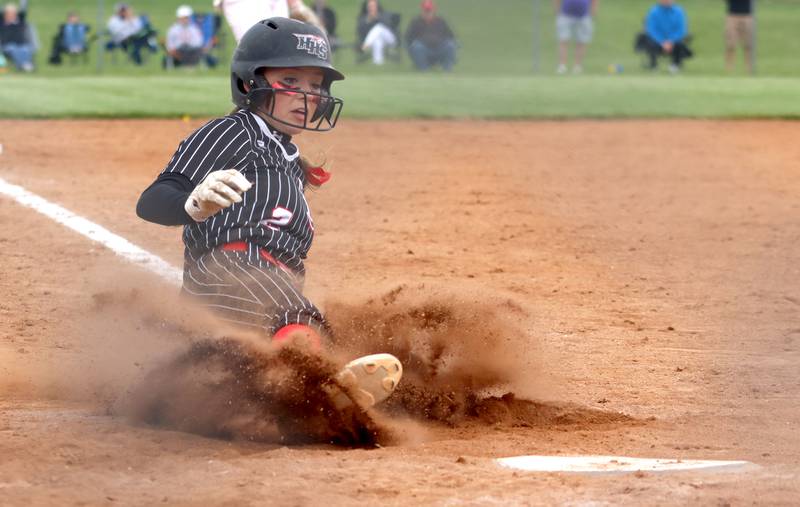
pixel 326 108
pixel 284 43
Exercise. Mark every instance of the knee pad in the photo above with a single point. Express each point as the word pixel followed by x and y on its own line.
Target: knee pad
pixel 300 335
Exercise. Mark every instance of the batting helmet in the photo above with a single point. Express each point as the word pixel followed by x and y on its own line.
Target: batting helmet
pixel 283 42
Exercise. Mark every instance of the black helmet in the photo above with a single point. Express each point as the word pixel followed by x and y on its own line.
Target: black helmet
pixel 282 42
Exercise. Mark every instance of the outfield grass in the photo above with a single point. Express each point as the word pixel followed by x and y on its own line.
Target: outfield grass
pixel 494 77
pixel 439 96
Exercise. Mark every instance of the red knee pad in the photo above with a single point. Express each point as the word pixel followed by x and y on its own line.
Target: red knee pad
pixel 298 334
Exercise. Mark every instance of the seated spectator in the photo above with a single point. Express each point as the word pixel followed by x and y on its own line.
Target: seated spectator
pixel 377 31
pixel 740 30
pixel 184 40
pixel 430 41
pixel 16 37
pixel 131 33
pixel 72 39
pixel 209 24
pixel 666 33
pixel 328 18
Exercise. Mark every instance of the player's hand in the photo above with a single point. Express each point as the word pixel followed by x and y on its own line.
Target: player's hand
pixel 219 190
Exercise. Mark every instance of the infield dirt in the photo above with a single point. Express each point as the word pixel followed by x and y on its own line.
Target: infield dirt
pixel 635 285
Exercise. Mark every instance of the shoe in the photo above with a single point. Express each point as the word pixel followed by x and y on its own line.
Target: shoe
pixel 27 67
pixel 562 69
pixel 674 69
pixel 577 70
pixel 369 379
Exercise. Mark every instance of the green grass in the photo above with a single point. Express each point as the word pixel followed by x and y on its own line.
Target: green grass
pixel 494 77
pixel 439 96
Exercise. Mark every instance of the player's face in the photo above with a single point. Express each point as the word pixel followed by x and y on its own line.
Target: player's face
pixel 294 108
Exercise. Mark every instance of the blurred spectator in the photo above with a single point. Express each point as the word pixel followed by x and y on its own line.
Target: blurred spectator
pixel 377 32
pixel 666 32
pixel 130 32
pixel 574 22
pixel 16 37
pixel 184 42
pixel 328 18
pixel 72 39
pixel 242 14
pixel 430 41
pixel 739 30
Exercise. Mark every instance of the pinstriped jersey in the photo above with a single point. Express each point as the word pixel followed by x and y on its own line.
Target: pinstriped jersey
pixel 273 213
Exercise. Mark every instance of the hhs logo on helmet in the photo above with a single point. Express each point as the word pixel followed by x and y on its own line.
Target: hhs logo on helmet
pixel 313 44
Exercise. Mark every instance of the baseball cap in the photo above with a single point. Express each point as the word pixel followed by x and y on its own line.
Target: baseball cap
pixel 184 11
pixel 427 5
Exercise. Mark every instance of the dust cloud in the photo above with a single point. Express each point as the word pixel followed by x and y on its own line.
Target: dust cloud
pixel 146 355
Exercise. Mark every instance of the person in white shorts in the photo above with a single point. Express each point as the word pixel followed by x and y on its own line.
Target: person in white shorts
pixel 574 22
pixel 243 14
pixel 379 37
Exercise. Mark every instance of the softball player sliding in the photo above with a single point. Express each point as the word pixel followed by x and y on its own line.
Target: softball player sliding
pixel 237 186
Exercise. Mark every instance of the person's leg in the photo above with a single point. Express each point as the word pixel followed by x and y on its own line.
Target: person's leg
pixel 730 42
pixel 564 34
pixel 679 53
pixel 132 48
pixel 56 51
pixel 654 50
pixel 748 42
pixel 377 40
pixel 580 52
pixel 419 54
pixel 140 42
pixel 21 55
pixel 371 41
pixel 447 54
pixel 584 29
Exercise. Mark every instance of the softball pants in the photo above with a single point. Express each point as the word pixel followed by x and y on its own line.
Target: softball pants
pixel 249 288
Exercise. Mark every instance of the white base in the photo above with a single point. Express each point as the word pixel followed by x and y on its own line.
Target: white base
pixel 611 464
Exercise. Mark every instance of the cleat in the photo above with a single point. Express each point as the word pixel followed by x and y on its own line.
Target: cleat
pixel 368 380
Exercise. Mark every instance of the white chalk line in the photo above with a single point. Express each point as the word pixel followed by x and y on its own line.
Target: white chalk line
pixel 94 232
pixel 615 464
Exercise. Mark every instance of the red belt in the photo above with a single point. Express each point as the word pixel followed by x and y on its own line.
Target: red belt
pixel 241 246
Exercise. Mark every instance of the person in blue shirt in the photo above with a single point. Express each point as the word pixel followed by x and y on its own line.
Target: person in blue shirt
pixel 72 38
pixel 666 30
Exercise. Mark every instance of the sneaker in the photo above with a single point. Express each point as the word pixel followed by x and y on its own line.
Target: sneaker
pixel 577 69
pixel 370 379
pixel 674 69
pixel 27 67
pixel 562 69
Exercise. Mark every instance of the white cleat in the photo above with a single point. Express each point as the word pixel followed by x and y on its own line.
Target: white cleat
pixel 370 380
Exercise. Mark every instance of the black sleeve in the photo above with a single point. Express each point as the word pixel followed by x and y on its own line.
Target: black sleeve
pixel 162 202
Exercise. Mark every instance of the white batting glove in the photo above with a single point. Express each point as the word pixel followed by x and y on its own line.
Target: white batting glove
pixel 219 190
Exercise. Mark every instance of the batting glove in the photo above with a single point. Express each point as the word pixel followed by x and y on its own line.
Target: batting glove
pixel 219 190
